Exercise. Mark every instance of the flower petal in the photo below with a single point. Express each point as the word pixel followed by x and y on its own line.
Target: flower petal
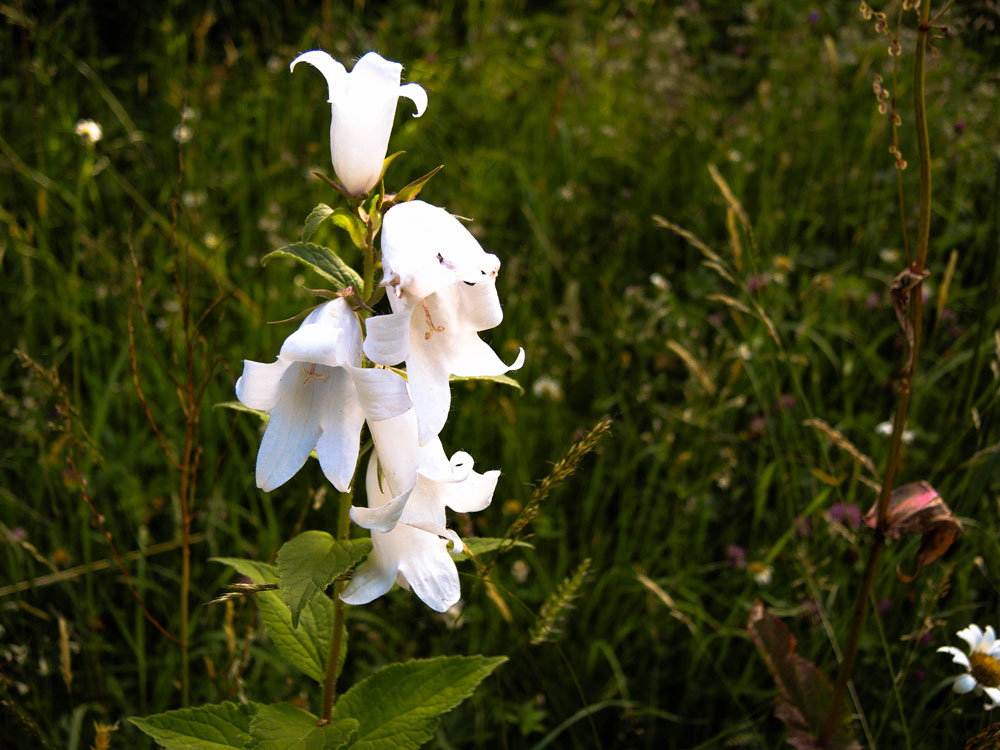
pixel 362 122
pixel 479 305
pixel 340 420
pixel 383 509
pixel 383 518
pixel 472 495
pixel 373 578
pixel 330 335
pixel 416 94
pixel 958 656
pixel 388 339
pixel 375 79
pixel 989 639
pixel 333 71
pixel 994 695
pixel 971 635
pixel 293 429
pixel 382 393
pixel 964 683
pixel 440 531
pixel 428 378
pixel 259 385
pixel 453 340
pixel 427 566
pixel 429 249
pixel 396 451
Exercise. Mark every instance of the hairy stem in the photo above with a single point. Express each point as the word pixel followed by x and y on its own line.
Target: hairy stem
pixel 905 383
pixel 336 640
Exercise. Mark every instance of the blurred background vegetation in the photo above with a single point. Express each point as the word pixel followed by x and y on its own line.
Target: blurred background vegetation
pixel 564 129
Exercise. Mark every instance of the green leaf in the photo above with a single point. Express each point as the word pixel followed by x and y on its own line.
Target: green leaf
pixel 316 217
pixel 351 224
pixel 322 260
pixel 479 545
pixel 412 190
pixel 210 727
pixel 306 647
pixel 310 562
pixel 503 379
pixel 282 726
pixel 398 706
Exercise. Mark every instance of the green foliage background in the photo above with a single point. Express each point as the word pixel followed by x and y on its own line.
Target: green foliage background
pixel 564 128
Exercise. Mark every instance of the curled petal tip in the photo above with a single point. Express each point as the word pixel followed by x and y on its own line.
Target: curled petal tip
pixel 416 94
pixel 519 362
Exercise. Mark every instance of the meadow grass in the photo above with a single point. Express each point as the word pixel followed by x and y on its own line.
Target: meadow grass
pixel 564 128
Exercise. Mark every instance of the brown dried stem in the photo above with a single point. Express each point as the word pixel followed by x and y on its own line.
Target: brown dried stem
pixel 916 271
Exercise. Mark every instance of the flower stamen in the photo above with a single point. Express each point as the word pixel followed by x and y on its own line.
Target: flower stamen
pixel 432 329
pixel 311 374
pixel 985 669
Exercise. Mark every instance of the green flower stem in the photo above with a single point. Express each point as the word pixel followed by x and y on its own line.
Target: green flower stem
pixel 369 250
pixel 336 640
pixel 905 383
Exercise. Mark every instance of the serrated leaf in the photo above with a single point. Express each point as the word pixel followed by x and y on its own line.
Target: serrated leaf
pixel 306 647
pixel 351 224
pixel 503 379
pixel 216 726
pixel 316 217
pixel 310 562
pixel 322 260
pixel 412 190
pixel 282 726
pixel 479 545
pixel 398 706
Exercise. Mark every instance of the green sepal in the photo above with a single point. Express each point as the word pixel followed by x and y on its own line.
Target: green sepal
pixel 412 190
pixel 386 162
pixel 282 726
pixel 398 706
pixel 214 726
pixel 322 260
pixel 374 209
pixel 306 647
pixel 503 379
pixel 481 545
pixel 312 561
pixel 237 406
pixel 335 185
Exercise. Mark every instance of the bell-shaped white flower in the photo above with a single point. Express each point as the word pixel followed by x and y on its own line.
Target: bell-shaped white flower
pixel 414 552
pixel 318 397
pixel 408 489
pixel 443 293
pixel 364 106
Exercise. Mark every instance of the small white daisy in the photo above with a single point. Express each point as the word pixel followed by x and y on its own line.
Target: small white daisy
pixel 983 675
pixel 89 131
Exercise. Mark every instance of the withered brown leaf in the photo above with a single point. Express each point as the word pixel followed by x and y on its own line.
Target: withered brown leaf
pixel 917 508
pixel 804 691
